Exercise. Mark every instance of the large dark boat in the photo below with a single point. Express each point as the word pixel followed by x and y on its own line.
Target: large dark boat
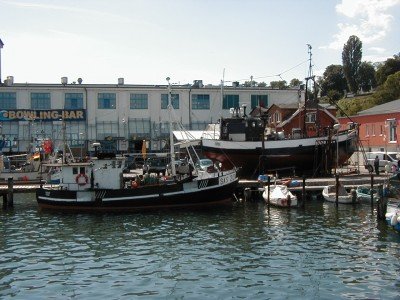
pixel 245 142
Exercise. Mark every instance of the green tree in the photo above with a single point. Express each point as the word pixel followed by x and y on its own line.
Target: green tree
pixel 333 80
pixel 262 84
pixel 281 84
pixel 390 66
pixel 366 76
pixel 390 90
pixel 295 82
pixel 351 59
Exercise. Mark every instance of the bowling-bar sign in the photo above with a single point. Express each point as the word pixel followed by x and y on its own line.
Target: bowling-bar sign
pixel 43 115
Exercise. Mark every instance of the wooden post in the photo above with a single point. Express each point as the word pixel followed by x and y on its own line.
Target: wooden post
pixel 268 190
pixel 4 200
pixel 337 190
pixel 303 194
pixel 10 192
pixel 372 194
pixel 382 204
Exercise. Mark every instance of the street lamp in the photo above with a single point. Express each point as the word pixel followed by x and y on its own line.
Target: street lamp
pixel 336 127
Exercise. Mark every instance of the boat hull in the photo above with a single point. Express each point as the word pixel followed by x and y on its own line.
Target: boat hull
pixel 288 156
pixel 203 193
pixel 279 196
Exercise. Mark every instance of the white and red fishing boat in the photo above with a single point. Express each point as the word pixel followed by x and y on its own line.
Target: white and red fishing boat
pixel 99 185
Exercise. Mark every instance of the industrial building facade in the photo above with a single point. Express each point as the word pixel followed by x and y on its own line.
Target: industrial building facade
pixel 119 116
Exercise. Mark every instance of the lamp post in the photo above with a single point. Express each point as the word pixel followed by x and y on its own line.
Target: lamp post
pixel 336 127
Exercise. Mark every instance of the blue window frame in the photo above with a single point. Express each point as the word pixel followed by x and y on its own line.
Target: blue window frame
pixel 174 101
pixel 259 100
pixel 106 101
pixel 40 101
pixel 73 101
pixel 230 101
pixel 200 101
pixel 8 100
pixel 139 101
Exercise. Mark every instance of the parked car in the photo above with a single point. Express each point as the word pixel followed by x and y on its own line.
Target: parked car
pixel 385 159
pixel 204 164
pixel 182 166
pixel 155 165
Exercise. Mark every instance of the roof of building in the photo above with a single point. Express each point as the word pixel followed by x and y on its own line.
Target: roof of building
pixel 389 107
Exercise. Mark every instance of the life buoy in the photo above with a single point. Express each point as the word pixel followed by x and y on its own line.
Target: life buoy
pixel 82 182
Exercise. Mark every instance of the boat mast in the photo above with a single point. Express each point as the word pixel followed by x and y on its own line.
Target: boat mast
pixel 309 77
pixel 171 135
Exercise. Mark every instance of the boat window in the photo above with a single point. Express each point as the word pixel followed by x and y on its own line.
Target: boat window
pixel 75 170
pixel 82 170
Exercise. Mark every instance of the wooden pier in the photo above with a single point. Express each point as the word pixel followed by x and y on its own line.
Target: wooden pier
pixel 247 189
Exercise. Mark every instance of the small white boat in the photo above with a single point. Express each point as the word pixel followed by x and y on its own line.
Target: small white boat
pixel 280 196
pixel 364 193
pixel 329 194
pixel 392 215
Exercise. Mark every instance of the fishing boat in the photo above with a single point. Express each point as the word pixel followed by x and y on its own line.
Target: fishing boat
pixel 392 215
pixel 329 193
pixel 243 141
pixel 99 185
pixel 279 195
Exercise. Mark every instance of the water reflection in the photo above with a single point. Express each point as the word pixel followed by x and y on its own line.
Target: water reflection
pixel 241 252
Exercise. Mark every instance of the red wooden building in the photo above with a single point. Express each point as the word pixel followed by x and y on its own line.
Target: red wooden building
pixel 293 121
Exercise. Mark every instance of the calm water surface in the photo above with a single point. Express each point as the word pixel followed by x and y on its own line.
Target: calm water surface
pixel 237 252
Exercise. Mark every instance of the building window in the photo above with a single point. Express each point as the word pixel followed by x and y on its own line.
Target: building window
pixel 311 117
pixel 230 101
pixel 366 130
pixel 8 100
pixel 259 100
pixel 200 101
pixel 373 129
pixel 392 130
pixel 276 117
pixel 73 101
pixel 106 101
pixel 40 101
pixel 139 101
pixel 174 101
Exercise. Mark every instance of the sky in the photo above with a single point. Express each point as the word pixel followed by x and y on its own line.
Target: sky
pixel 145 41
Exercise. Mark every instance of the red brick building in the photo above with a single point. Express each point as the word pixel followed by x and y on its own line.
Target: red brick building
pixel 378 127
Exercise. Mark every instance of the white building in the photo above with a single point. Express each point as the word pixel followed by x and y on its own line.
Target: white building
pixel 119 116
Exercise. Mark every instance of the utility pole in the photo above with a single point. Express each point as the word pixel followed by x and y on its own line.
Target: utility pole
pixel 1 47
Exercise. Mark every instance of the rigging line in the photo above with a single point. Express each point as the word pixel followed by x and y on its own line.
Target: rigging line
pixel 276 75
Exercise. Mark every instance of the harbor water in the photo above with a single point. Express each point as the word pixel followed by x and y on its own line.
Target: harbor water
pixel 239 252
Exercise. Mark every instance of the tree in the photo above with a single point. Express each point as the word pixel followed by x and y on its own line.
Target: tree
pixel 333 80
pixel 366 76
pixel 295 82
pixel 390 66
pixel 281 84
pixel 262 84
pixel 351 59
pixel 390 90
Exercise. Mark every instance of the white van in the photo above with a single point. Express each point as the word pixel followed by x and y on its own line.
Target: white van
pixel 385 158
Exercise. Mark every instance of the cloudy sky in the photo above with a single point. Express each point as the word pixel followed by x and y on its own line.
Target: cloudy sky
pixel 145 41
